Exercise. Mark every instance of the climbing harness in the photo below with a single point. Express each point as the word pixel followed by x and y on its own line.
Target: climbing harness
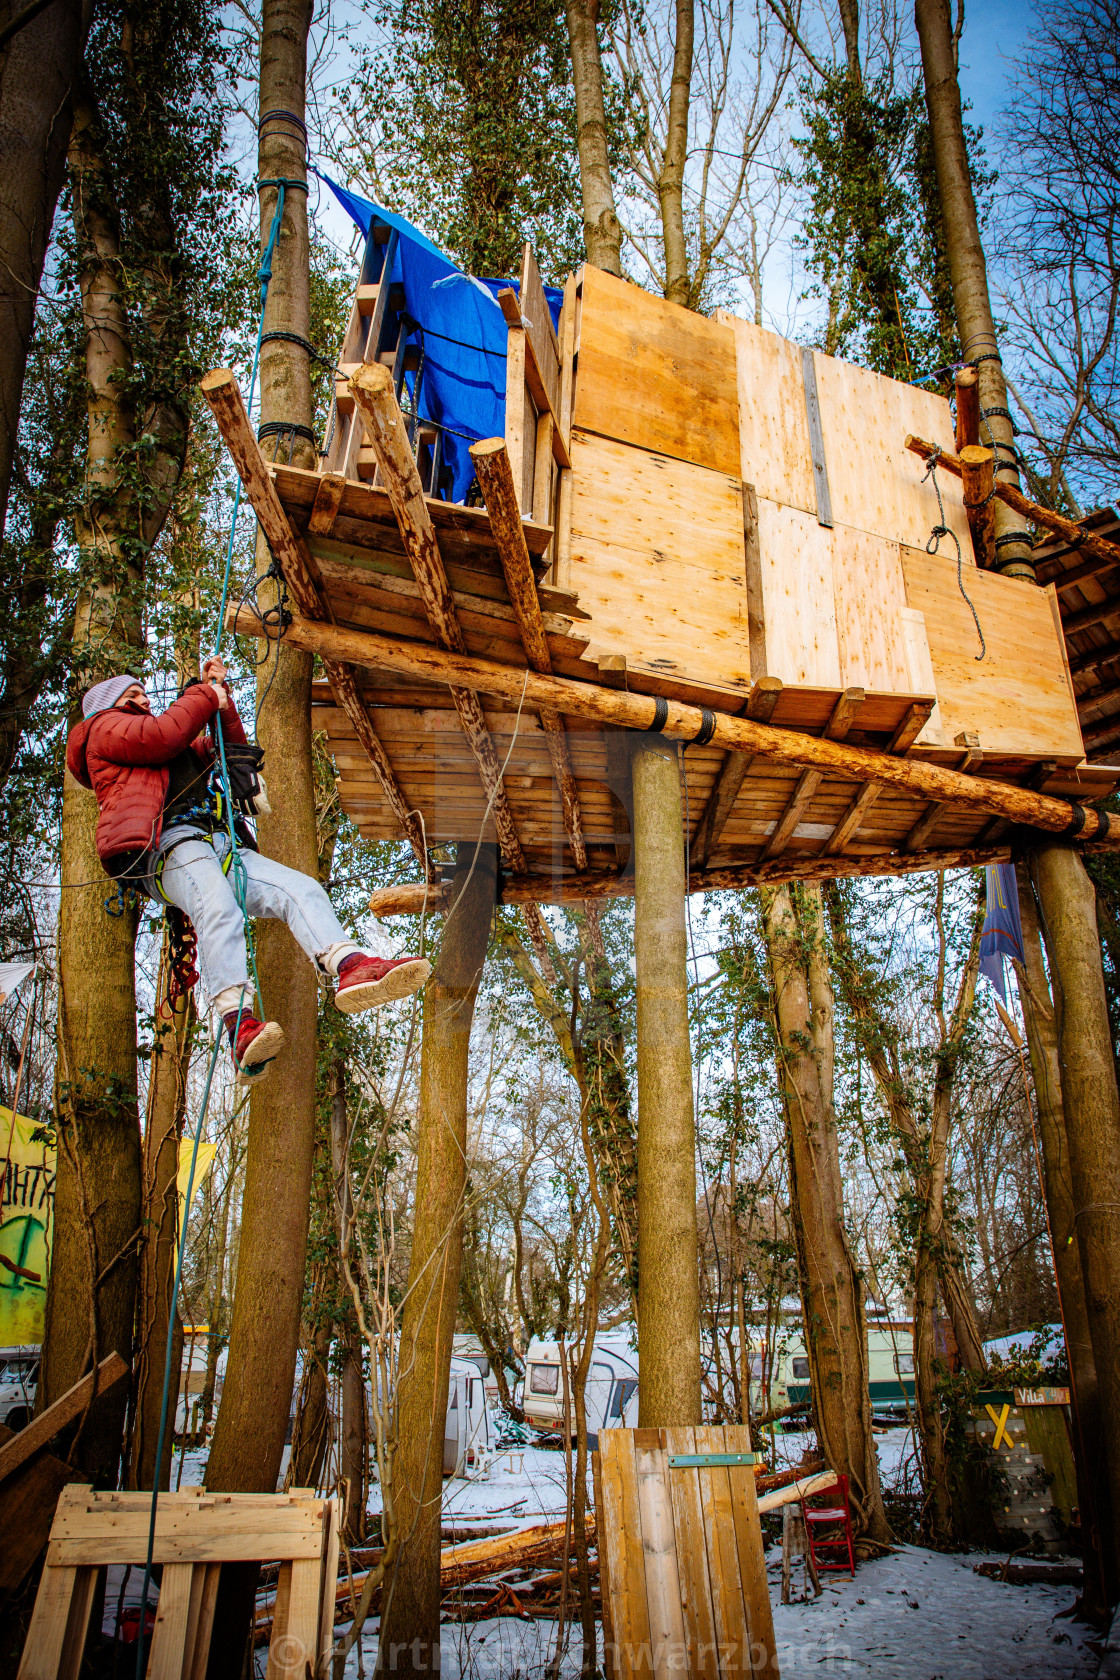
pixel 942 530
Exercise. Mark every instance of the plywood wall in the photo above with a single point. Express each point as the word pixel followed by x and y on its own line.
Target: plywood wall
pixel 655 375
pixel 656 556
pixel 1018 697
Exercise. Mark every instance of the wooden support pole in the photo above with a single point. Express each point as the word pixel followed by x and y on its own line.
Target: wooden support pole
pixel 1067 901
pixel 495 479
pixel 533 378
pixel 978 475
pixel 1078 535
pixel 222 392
pixel 678 721
pixel 668 1275
pixel 409 898
pixel 968 407
pixel 376 400
pixel 410 1604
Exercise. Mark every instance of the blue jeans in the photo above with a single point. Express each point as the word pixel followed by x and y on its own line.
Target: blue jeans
pixel 193 879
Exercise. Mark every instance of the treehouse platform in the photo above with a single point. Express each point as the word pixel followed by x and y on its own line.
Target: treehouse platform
pixel 680 523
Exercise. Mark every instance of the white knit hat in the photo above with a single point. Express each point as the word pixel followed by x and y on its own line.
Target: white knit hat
pixel 104 695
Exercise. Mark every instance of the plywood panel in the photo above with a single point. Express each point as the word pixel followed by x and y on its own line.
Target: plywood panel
pixel 656 375
pixel 773 431
pixel 870 597
pixel 1017 698
pixel 875 481
pixel 657 559
pixel 798 597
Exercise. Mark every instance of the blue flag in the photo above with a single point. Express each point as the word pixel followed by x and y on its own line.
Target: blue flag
pixel 1002 935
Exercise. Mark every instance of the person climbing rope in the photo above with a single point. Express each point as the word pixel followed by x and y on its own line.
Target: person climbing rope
pixel 159 830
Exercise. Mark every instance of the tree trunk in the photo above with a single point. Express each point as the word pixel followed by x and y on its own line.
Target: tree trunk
pixel 311 1429
pixel 668 1253
pixel 967 267
pixel 1067 904
pixel 256 1400
pixel 354 1441
pixel 409 1641
pixel 167 1104
pixel 264 1332
pixel 831 1291
pixel 602 235
pixel 91 1297
pixel 1099 1586
pixel 38 69
pixel 354 1444
pixel 670 181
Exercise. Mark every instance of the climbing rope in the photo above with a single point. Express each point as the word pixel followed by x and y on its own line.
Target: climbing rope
pixel 943 530
pixel 239 883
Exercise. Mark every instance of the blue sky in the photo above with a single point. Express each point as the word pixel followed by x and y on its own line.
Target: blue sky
pixel 994 32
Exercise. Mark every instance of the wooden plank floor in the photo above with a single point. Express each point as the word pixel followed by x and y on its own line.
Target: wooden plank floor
pixel 368 585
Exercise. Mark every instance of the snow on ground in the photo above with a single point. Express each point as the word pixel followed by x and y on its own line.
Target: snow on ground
pixel 915 1615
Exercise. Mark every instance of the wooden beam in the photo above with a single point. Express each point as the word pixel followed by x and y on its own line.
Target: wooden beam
pixel 978 475
pixel 1093 567
pixel 301 573
pixel 222 392
pixel 538 390
pixel 681 722
pixel 495 479
pixel 65 1409
pixel 1074 533
pixel 904 737
pixel 764 697
pixel 968 406
pixel 344 687
pixel 408 898
pixel 843 716
pixel 1093 658
pixel 328 499
pixel 1098 613
pixel 971 759
pixel 376 401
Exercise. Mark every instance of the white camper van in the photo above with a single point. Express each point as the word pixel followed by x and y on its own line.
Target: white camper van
pixel 612 1386
pixel 466 1428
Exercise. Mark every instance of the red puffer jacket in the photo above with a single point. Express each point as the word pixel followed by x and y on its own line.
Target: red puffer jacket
pixel 123 754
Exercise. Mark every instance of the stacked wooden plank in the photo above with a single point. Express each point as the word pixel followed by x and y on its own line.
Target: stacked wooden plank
pixel 195 1533
pixel 680 1555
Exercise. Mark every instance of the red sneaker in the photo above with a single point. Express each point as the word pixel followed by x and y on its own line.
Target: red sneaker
pixel 258 1044
pixel 365 982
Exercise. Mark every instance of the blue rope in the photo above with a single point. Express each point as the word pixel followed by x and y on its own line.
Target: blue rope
pixel 239 882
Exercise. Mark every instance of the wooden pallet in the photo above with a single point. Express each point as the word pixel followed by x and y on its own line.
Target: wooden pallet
pixel 681 1564
pixel 195 1534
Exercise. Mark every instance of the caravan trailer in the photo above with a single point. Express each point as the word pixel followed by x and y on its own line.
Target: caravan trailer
pixel 466 1428
pixel 890 1368
pixel 612 1386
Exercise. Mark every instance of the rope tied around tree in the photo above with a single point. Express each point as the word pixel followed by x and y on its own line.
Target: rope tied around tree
pixel 943 530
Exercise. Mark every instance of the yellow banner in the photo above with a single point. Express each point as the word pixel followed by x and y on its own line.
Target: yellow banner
pixel 202 1165
pixel 25 1230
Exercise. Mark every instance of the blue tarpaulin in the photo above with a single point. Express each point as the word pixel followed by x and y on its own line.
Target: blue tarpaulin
pixel 461 329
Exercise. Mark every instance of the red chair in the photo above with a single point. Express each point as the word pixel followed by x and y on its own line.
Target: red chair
pixel 828 1550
